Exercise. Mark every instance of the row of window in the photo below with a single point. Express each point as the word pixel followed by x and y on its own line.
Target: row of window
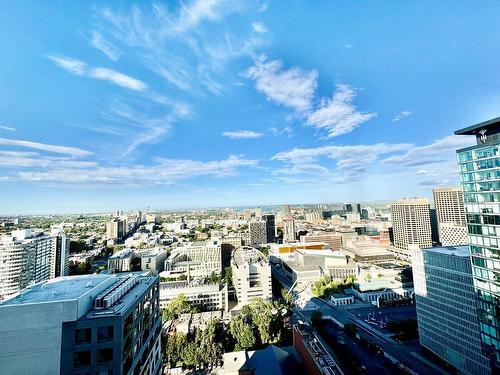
pixel 84 358
pixel 84 335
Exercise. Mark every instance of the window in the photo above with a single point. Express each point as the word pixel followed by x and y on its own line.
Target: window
pixel 83 336
pixel 82 359
pixel 105 355
pixel 105 333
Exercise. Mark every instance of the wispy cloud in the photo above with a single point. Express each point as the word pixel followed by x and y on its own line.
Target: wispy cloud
pixel 441 150
pixel 72 151
pixel 106 47
pixel 287 130
pixel 294 87
pixel 401 115
pixel 80 68
pixel 242 134
pixel 338 115
pixel 9 128
pixel 259 27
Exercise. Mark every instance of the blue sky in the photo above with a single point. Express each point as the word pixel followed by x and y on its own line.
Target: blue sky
pixel 123 105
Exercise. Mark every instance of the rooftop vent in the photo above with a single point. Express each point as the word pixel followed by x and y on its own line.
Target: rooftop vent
pixel 116 291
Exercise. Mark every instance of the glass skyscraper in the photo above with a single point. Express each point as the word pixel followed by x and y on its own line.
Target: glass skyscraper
pixel 479 168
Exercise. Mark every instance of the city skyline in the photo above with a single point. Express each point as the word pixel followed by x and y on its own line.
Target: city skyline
pixel 223 104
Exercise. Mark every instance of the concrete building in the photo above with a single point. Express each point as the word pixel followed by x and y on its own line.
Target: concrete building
pixel 251 275
pixel 197 259
pixel 446 307
pixel 366 250
pixel 412 225
pixel 333 240
pixel 289 230
pixel 479 167
pixel 450 212
pixel 453 234
pixel 116 228
pixel 91 324
pixel 153 260
pixel 258 232
pixel 28 257
pixel 121 261
pixel 210 296
pixel 269 361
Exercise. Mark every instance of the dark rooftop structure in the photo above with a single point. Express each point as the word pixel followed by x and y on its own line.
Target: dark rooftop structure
pixel 492 126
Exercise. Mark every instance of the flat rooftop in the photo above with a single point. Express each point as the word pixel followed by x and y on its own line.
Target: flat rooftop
pixel 59 289
pixel 459 251
pixel 492 125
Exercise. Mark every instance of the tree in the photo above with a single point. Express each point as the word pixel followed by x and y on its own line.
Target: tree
pixel 242 329
pixel 179 305
pixel 174 348
pixel 350 329
pixel 316 318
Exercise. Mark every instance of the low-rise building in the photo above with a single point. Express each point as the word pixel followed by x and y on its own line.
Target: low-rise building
pixel 332 240
pixel 153 260
pixel 366 250
pixel 198 259
pixel 121 261
pixel 341 299
pixel 210 296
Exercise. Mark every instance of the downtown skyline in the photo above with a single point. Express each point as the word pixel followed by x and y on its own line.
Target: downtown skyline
pixel 221 103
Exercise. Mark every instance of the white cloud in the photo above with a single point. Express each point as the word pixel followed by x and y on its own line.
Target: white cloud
pixel 72 151
pixel 79 68
pixel 352 160
pixel 242 134
pixel 9 128
pixel 338 115
pixel 401 115
pixel 441 150
pixel 259 27
pixel 104 46
pixel 117 78
pixel 287 130
pixel 73 66
pixel 294 87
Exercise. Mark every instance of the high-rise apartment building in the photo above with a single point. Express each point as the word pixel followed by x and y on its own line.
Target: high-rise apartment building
pixel 289 230
pixel 116 228
pixel 446 307
pixel 479 168
pixel 257 231
pixel 449 205
pixel 28 257
pixel 251 275
pixel 411 224
pixel 91 324
pixel 270 220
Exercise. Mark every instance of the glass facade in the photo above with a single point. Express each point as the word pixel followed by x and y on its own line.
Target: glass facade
pixel 479 168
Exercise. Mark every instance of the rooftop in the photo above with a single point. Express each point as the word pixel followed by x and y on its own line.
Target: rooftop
pixel 125 253
pixel 459 251
pixel 60 289
pixel 493 125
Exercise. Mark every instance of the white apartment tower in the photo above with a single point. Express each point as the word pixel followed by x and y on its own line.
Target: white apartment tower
pixel 449 204
pixel 26 258
pixel 411 223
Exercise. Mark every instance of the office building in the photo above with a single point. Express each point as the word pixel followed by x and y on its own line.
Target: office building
pixel 479 168
pixel 332 240
pixel 116 228
pixel 347 207
pixel 28 257
pixel 450 211
pixel 198 259
pixel 411 224
pixel 257 231
pixel 204 295
pixel 366 250
pixel 446 307
pixel 251 275
pixel 91 324
pixel 289 231
pixel 270 220
pixel 314 217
